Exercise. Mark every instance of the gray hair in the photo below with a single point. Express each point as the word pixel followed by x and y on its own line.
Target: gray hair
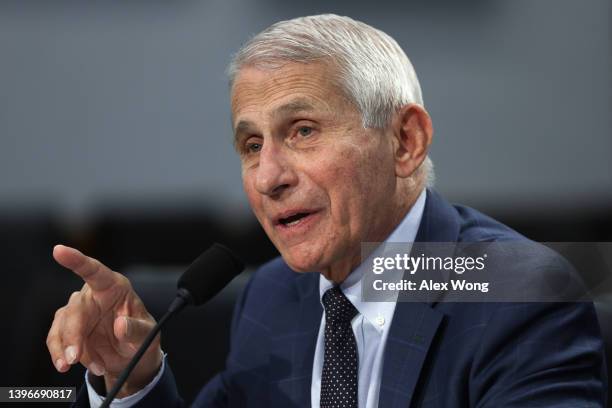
pixel 374 72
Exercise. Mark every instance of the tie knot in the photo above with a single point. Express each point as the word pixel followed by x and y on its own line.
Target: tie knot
pixel 338 308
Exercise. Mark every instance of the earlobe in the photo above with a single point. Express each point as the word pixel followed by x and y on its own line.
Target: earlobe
pixel 413 131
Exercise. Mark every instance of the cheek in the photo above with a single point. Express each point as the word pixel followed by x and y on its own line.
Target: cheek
pixel 252 195
pixel 246 186
pixel 361 181
pixel 347 185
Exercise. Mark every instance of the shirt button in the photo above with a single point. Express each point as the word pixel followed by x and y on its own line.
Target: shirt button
pixel 380 320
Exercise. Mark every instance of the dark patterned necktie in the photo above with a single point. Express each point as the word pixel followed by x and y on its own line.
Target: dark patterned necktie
pixel 340 365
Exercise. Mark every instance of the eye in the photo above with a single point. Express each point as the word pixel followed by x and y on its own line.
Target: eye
pixel 253 147
pixel 304 131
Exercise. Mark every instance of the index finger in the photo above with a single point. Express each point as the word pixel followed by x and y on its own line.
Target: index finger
pixel 92 271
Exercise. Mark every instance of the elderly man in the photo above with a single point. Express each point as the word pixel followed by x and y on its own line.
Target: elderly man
pixel 333 138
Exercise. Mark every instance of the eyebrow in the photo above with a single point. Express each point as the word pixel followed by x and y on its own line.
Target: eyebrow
pixel 298 105
pixel 293 107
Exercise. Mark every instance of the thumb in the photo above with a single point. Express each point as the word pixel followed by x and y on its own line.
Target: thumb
pixel 132 330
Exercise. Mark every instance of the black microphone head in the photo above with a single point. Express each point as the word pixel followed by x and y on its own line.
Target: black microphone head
pixel 210 273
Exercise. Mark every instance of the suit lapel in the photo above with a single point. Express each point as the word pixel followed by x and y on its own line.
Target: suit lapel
pixel 412 332
pixel 440 221
pixel 293 345
pixel 414 324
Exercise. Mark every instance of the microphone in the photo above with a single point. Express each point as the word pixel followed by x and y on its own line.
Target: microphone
pixel 202 280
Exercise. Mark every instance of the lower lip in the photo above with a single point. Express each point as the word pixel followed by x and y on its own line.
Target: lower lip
pixel 303 226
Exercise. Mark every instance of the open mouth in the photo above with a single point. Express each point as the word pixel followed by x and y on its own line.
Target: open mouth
pixel 294 219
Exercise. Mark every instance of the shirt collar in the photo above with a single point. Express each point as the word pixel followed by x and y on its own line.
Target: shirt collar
pixel 378 314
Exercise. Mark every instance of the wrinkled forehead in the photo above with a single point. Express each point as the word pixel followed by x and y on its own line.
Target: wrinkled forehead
pixel 290 88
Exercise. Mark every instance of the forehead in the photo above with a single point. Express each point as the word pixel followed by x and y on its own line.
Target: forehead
pixel 293 87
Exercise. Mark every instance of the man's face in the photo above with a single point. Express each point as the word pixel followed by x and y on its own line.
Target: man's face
pixel 317 181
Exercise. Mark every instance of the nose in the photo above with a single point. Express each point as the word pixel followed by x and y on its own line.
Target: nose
pixel 275 173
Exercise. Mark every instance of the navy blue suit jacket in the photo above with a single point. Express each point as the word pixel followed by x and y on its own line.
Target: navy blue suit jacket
pixel 437 354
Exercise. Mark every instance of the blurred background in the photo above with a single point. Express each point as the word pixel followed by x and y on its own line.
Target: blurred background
pixel 115 138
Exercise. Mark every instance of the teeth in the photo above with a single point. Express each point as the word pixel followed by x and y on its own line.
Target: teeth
pixel 294 219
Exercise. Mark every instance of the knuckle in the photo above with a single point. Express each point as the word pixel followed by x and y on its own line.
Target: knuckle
pixel 51 341
pixel 59 312
pixel 125 283
pixel 95 265
pixel 122 280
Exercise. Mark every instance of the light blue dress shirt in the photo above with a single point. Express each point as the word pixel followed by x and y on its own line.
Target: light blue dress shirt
pixel 371 327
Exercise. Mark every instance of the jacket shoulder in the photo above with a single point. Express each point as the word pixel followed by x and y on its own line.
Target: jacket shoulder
pixel 476 226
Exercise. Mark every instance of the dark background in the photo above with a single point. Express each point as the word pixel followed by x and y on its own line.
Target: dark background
pixel 115 138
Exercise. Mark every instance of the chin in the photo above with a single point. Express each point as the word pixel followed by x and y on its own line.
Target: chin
pixel 299 265
pixel 302 261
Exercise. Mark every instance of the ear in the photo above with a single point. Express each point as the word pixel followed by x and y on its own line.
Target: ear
pixel 413 132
